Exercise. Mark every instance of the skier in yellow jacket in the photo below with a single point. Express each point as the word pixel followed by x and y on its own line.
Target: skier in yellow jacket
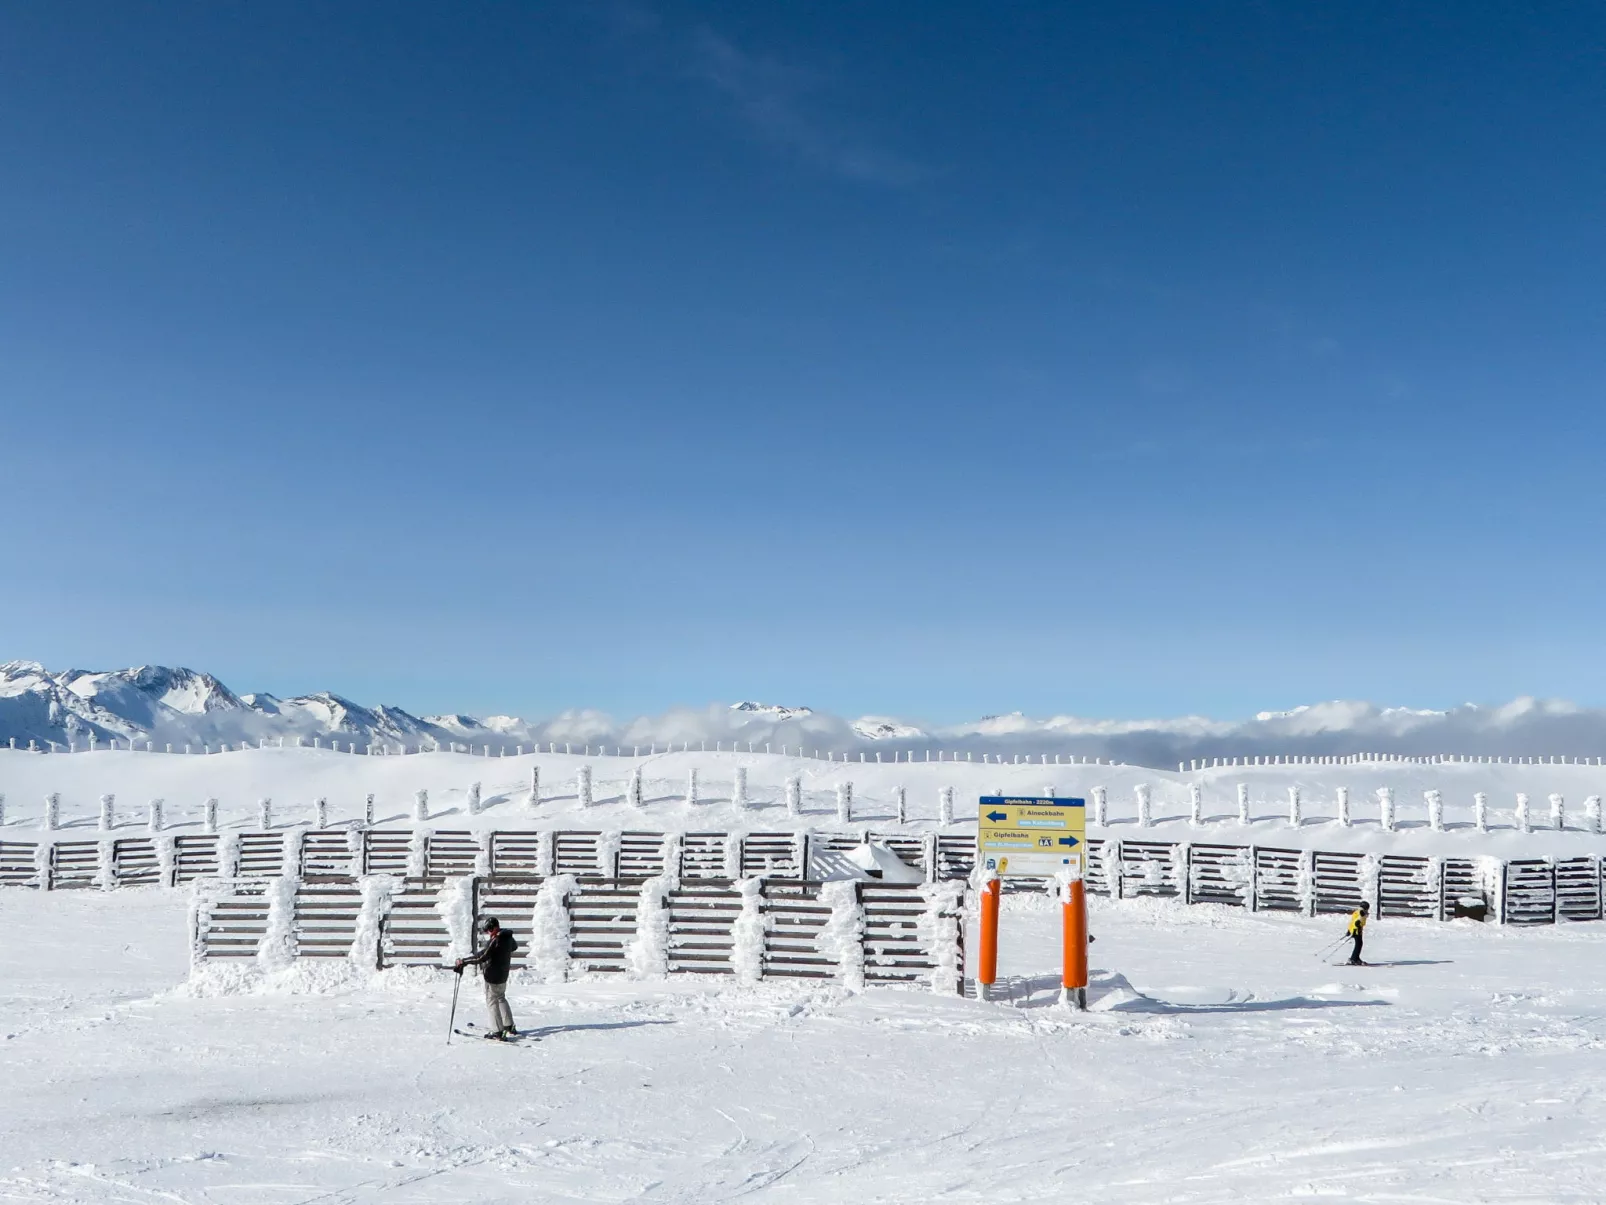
pixel 1357 930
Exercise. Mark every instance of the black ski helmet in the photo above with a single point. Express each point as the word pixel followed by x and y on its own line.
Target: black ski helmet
pixel 1365 906
pixel 489 923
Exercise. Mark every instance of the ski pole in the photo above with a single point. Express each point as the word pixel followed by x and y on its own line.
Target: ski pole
pixel 1326 950
pixel 452 1020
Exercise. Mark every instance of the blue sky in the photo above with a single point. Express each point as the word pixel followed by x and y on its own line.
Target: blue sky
pixel 922 359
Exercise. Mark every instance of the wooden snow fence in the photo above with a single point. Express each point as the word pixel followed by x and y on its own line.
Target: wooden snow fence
pixel 326 852
pixel 136 863
pixel 1267 878
pixel 231 917
pixel 1525 891
pixel 195 856
pixel 19 864
pixel 908 934
pixel 75 864
pixel 387 850
pixel 327 911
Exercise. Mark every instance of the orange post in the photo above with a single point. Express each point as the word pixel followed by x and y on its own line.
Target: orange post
pixel 987 975
pixel 1073 979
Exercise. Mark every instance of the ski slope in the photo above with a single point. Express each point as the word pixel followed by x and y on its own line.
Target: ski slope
pixel 1222 1063
pixel 294 779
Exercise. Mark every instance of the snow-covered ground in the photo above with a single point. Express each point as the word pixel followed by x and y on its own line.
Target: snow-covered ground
pixel 294 779
pixel 1222 1062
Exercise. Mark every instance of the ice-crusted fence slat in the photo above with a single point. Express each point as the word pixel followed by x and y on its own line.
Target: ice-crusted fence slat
pixel 795 916
pixel 1407 886
pixel 387 851
pixel 327 914
pixel 1216 874
pixel 1528 896
pixel 75 864
pixel 1280 879
pixel 134 862
pixel 1578 894
pixel 602 925
pixel 1147 868
pixel 702 916
pixel 414 931
pixel 229 917
pixel 19 864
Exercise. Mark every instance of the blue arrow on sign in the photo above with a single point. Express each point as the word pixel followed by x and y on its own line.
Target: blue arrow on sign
pixel 1067 840
pixel 998 815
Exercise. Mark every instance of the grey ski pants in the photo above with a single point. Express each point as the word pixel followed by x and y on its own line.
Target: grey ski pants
pixel 496 1003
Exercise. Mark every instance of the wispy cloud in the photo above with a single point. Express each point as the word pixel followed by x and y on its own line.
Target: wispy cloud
pixel 787 106
pixel 777 101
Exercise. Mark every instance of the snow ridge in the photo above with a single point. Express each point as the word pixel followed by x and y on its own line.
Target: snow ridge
pixel 185 707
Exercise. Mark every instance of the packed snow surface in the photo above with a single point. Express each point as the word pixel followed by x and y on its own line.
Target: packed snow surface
pixel 1221 1062
pixel 292 781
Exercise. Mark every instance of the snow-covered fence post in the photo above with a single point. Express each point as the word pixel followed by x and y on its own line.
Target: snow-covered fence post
pixel 473 799
pixel 320 813
pixel 633 794
pixel 1524 821
pixel 1558 812
pixel 1243 803
pixel 1101 806
pixel 747 934
pixel 106 802
pixel 420 806
pixel 155 816
pixel 52 812
pixel 1385 808
pixel 1592 814
pixel 841 938
pixel 534 798
pixel 375 907
pixel 549 929
pixel 794 795
pixel 1145 819
pixel 211 815
pixel 945 806
pixel 900 803
pixel 277 949
pixel 1435 802
pixel 1342 796
pixel 691 787
pixel 1295 813
pixel 739 788
pixel 844 802
pixel 582 786
pixel 648 952
pixel 368 811
pixel 1480 812
pixel 1195 805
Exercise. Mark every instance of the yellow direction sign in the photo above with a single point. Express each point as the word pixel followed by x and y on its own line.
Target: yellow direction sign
pixel 1034 838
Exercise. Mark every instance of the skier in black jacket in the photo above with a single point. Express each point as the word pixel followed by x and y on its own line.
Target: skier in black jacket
pixel 495 959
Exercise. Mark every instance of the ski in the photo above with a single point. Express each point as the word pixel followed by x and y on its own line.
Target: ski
pixel 473 1030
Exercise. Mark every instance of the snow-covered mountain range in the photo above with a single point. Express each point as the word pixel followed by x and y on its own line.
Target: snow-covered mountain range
pixel 170 705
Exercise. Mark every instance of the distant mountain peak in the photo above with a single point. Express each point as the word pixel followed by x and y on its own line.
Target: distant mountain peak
pixel 771 710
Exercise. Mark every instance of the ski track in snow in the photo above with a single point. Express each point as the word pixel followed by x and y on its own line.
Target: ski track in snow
pixel 1222 1063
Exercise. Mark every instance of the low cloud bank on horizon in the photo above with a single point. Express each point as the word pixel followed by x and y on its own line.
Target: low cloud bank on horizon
pixel 182 706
